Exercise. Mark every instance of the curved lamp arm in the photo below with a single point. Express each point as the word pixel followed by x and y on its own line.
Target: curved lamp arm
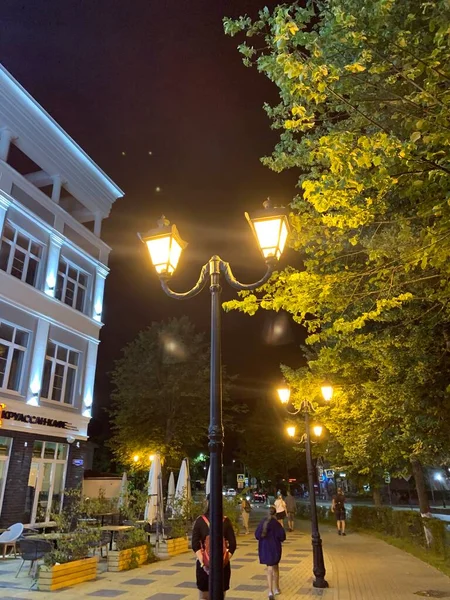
pixel 203 278
pixel 305 407
pixel 228 273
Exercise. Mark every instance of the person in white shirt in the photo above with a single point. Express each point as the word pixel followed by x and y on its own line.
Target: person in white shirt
pixel 280 506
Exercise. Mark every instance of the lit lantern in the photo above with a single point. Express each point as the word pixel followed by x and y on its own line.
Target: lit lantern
pixel 327 392
pixel 165 246
pixel 284 393
pixel 291 431
pixel 271 229
pixel 317 430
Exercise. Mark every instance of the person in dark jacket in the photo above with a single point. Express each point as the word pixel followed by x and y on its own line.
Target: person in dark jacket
pixel 199 533
pixel 270 535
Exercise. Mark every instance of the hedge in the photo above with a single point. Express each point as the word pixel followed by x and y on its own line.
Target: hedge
pixel 403 524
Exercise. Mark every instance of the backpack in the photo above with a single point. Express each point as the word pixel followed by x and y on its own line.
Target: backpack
pixel 206 550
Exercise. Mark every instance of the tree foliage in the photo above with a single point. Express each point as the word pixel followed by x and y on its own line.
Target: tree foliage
pixel 364 118
pixel 161 393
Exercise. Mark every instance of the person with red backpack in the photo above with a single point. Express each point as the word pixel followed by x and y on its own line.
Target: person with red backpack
pixel 200 545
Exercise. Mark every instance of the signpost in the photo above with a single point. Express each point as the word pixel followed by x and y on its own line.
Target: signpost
pixel 240 480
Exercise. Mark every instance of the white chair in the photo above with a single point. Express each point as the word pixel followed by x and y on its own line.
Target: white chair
pixel 8 539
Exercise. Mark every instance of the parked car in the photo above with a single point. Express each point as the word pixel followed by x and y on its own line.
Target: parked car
pixel 259 497
pixel 231 492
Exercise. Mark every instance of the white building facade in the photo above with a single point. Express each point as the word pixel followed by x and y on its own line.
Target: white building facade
pixel 53 265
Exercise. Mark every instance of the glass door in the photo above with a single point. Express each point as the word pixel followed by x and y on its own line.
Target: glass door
pixel 5 451
pixel 46 480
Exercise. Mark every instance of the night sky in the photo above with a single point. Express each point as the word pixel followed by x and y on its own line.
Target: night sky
pixel 152 76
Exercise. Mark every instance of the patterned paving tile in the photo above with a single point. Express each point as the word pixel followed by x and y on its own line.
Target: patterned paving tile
pixel 290 561
pixel 137 581
pixel 163 572
pixel 286 568
pixel 107 593
pixel 162 596
pixel 247 560
pixel 237 566
pixel 231 598
pixel 250 588
pixel 187 584
pixel 252 554
pixel 185 565
pixel 259 577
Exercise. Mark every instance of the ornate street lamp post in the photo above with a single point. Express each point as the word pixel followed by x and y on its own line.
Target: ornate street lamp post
pixel 271 228
pixel 306 407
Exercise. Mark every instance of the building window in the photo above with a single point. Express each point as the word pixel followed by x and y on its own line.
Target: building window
pixel 20 255
pixel 5 451
pixel 71 285
pixel 60 373
pixel 13 346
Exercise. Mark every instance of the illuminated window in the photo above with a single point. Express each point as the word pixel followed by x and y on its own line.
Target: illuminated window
pixel 71 285
pixel 20 255
pixel 13 347
pixel 60 373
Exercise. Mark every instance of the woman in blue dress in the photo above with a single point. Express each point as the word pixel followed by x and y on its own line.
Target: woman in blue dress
pixel 270 535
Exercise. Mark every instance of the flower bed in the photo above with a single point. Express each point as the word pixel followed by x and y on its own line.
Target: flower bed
pixel 173 547
pixel 56 577
pixel 123 560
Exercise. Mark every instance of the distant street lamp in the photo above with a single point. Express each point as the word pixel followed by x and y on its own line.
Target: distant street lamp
pixel 271 228
pixel 284 394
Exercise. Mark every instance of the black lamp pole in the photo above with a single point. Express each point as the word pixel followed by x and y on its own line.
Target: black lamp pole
pixel 316 540
pixel 213 269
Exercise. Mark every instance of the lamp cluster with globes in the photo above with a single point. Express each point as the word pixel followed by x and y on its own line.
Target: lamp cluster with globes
pixel 284 394
pixel 270 227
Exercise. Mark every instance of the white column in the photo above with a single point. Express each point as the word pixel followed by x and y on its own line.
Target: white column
pixel 51 272
pixel 99 289
pixel 98 224
pixel 37 362
pixel 56 190
pixel 89 377
pixel 4 205
pixel 5 142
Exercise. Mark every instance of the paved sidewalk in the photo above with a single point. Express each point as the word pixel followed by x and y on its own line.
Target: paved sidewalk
pixel 358 568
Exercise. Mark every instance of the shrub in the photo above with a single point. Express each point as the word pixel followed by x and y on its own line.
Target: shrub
pixel 408 525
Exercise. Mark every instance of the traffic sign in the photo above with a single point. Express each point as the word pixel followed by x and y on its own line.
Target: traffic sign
pixel 387 477
pixel 241 478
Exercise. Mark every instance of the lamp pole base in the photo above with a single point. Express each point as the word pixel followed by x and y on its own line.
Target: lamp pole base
pixel 319 582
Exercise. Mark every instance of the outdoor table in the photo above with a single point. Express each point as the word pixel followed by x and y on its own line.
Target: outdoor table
pixel 43 526
pixel 103 515
pixel 50 537
pixel 114 529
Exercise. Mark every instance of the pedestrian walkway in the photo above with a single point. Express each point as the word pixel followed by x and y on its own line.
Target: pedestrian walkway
pixel 358 568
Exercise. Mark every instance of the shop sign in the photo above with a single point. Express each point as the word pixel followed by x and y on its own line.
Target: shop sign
pixel 78 462
pixel 34 420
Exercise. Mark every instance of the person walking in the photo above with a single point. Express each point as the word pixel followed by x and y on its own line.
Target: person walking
pixel 200 545
pixel 270 535
pixel 246 509
pixel 291 507
pixel 280 506
pixel 338 507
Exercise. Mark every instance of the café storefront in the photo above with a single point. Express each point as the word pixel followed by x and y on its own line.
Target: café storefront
pixel 40 457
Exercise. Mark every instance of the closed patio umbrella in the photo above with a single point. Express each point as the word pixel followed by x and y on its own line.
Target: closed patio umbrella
pixel 123 491
pixel 208 483
pixel 152 508
pixel 171 491
pixel 183 489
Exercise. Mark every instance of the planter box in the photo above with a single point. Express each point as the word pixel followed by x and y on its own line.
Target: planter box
pixel 119 560
pixel 173 547
pixel 67 574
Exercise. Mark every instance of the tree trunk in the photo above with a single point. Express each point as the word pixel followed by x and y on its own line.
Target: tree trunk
pixel 376 496
pixel 419 480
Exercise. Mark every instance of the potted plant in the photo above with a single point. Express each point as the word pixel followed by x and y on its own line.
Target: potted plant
pixel 132 550
pixel 69 563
